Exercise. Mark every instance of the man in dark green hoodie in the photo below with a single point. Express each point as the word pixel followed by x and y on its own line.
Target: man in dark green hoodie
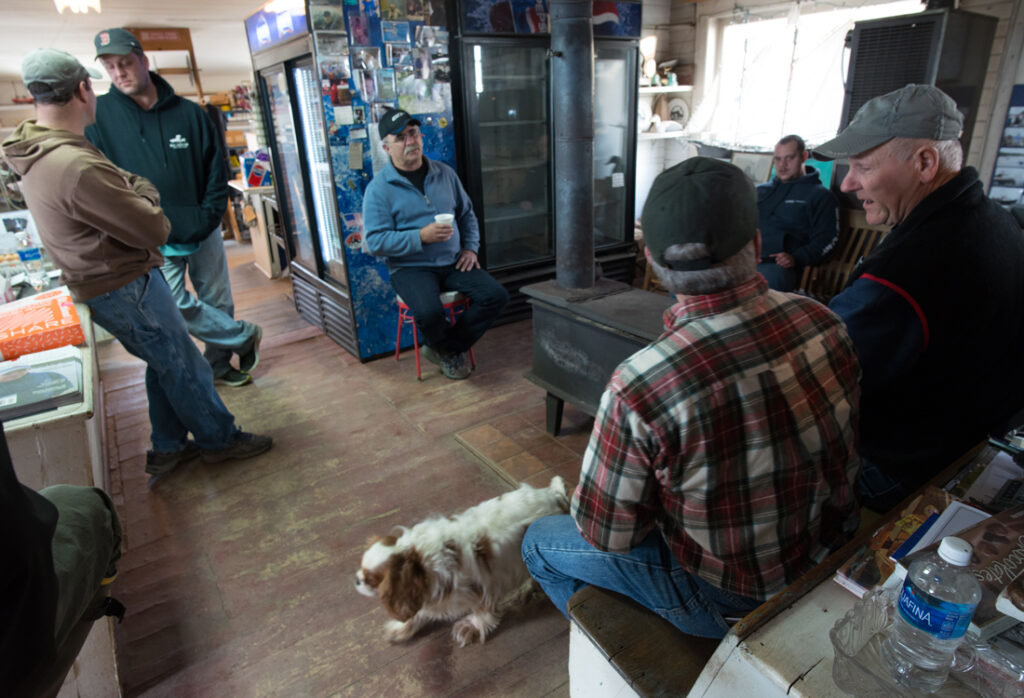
pixel 145 128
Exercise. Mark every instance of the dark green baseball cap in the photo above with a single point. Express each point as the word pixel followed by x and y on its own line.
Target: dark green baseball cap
pixel 914 111
pixel 700 200
pixel 116 41
pixel 48 72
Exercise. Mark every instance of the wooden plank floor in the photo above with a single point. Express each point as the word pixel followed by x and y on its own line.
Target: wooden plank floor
pixel 238 577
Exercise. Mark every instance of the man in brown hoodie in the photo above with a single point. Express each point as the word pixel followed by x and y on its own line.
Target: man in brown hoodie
pixel 102 226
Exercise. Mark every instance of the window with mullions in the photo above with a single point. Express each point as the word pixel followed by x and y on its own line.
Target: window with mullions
pixel 780 71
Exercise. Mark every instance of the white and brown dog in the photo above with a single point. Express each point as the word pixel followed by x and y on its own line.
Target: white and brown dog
pixel 466 567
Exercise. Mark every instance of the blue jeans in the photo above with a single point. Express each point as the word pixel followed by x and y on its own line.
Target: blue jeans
pixel 562 562
pixel 210 314
pixel 179 382
pixel 421 288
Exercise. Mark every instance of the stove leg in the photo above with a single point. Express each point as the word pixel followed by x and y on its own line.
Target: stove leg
pixel 555 405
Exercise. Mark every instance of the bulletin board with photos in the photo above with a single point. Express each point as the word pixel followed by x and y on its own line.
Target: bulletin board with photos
pixel 1007 185
pixel 375 55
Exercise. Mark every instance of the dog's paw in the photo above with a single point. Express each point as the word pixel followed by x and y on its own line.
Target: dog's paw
pixel 465 632
pixel 397 631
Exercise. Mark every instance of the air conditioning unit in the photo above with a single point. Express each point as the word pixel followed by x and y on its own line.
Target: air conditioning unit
pixel 946 48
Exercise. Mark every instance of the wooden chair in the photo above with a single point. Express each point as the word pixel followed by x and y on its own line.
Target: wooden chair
pixel 650 282
pixel 857 238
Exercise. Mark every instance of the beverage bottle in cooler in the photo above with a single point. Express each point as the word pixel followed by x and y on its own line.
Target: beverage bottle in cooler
pixel 31 257
pixel 935 607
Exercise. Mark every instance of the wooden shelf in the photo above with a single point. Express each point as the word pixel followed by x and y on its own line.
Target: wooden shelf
pixel 664 89
pixel 648 136
pixel 171 39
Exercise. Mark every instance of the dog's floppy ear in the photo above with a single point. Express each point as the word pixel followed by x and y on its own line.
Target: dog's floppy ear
pixel 405 585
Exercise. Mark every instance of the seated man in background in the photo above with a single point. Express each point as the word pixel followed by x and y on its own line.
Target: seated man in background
pixel 797 215
pixel 425 257
pixel 60 554
pixel 936 311
pixel 723 457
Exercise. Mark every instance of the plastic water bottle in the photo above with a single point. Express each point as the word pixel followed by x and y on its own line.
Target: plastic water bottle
pixel 31 257
pixel 934 610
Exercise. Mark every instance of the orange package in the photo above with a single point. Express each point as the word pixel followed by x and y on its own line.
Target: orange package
pixel 45 321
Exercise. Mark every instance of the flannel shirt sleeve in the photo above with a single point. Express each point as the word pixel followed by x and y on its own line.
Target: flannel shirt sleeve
pixel 610 505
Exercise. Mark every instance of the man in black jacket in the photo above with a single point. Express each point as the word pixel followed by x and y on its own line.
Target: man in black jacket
pixel 143 127
pixel 797 215
pixel 936 311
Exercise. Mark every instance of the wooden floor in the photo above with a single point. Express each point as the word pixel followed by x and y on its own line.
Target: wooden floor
pixel 238 577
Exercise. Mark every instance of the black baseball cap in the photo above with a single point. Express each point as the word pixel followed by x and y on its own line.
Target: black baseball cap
pixel 700 200
pixel 393 121
pixel 116 41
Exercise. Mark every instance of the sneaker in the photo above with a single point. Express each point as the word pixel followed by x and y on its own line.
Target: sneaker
pixel 456 367
pixel 251 359
pixel 244 445
pixel 431 355
pixel 233 378
pixel 164 463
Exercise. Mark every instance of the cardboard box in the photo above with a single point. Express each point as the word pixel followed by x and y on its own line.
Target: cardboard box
pixel 235 139
pixel 45 321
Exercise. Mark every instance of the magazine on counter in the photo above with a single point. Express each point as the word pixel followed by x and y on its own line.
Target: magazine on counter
pixel 872 563
pixel 42 381
pixel 987 481
pixel 997 558
pixel 1011 599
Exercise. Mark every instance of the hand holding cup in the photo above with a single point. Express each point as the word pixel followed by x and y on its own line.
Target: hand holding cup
pixel 440 230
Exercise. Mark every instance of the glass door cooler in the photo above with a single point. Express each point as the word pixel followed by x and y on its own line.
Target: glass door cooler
pixel 508 138
pixel 318 127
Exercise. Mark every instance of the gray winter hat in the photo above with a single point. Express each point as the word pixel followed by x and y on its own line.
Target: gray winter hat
pixel 49 73
pixel 914 111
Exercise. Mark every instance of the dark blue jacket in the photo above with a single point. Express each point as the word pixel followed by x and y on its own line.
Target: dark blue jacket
pixel 800 217
pixel 936 314
pixel 175 146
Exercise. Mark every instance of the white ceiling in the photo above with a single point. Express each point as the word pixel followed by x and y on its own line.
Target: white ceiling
pixel 217 29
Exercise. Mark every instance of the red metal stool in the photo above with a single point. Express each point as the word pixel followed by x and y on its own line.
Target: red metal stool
pixel 454 304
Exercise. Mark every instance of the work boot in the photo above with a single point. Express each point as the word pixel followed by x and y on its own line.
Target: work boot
pixel 431 355
pixel 233 378
pixel 163 463
pixel 456 366
pixel 243 445
pixel 251 359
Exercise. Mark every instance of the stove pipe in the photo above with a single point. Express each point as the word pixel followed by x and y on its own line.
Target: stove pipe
pixel 572 78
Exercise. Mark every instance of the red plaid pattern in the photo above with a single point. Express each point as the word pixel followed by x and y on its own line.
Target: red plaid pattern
pixel 735 434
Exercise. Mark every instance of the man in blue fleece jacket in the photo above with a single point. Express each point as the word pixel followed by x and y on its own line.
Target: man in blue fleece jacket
pixel 143 127
pixel 425 257
pixel 797 215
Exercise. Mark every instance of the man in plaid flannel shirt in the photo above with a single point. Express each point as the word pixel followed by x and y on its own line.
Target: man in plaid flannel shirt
pixel 723 456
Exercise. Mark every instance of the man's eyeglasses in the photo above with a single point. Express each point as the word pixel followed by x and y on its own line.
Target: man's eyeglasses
pixel 409 135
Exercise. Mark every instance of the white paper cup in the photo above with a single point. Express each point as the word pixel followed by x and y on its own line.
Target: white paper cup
pixel 444 218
